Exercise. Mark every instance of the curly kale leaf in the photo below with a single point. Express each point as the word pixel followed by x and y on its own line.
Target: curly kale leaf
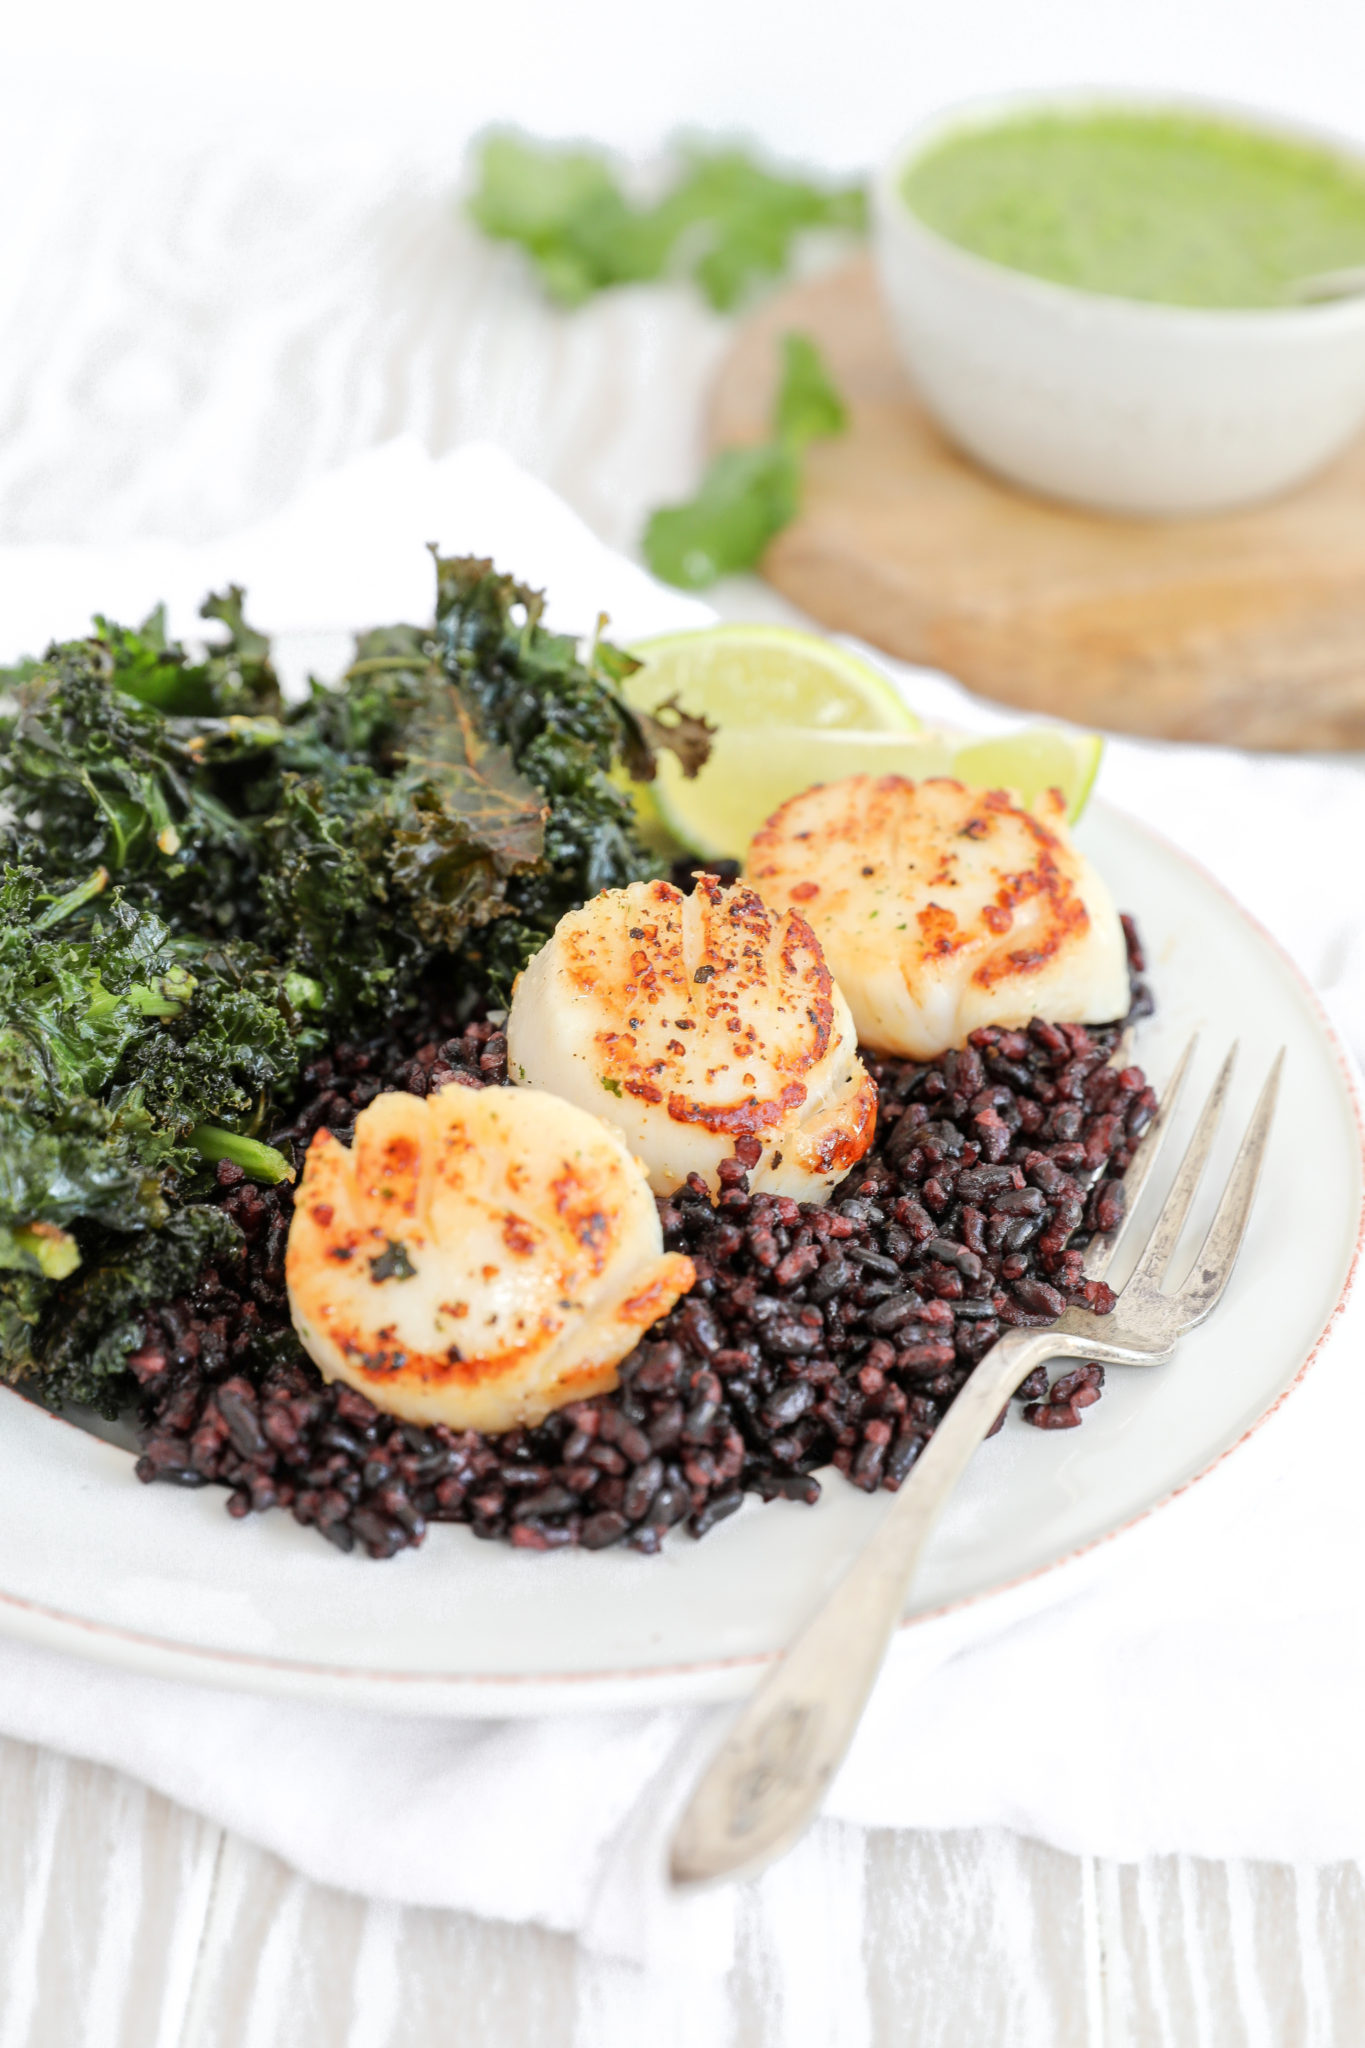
pixel 85 1162
pixel 73 1146
pixel 79 1155
pixel 99 778
pixel 451 768
pixel 235 677
pixel 559 716
pixel 528 682
pixel 368 875
pixel 461 773
pixel 495 746
pixel 78 1340
pixel 323 899
pixel 464 819
pixel 204 888
pixel 116 1060
pixel 111 777
pixel 240 673
pixel 234 1048
pixel 147 665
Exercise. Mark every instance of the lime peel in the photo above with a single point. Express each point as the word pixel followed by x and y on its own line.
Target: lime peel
pixel 793 709
pixel 759 675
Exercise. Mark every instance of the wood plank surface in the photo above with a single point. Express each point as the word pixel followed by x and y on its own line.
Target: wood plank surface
pixel 1247 629
pixel 126 1923
pixel 104 1901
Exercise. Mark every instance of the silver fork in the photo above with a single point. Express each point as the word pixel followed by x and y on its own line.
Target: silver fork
pixel 765 1784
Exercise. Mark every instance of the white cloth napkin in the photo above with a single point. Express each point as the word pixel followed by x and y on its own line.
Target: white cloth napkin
pixel 1198 1686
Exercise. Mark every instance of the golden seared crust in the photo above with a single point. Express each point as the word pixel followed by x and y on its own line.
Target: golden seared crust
pixel 477 1257
pixel 831 1145
pixel 684 971
pixel 692 1022
pixel 941 908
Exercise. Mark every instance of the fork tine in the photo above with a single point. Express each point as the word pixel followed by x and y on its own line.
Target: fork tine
pixel 1151 1267
pixel 1102 1247
pixel 1211 1271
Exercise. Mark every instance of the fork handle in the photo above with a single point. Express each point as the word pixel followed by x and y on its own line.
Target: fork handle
pixel 765 1784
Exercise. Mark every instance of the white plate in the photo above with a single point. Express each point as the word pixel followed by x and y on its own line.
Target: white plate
pixel 162 1581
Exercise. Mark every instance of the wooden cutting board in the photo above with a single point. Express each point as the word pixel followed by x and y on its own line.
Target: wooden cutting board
pixel 1248 628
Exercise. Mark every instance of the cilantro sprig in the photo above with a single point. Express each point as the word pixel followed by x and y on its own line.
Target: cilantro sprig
pixel 749 494
pixel 727 220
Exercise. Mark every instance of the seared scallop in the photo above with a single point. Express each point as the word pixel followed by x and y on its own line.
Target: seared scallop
pixel 942 908
pixel 693 1022
pixel 477 1257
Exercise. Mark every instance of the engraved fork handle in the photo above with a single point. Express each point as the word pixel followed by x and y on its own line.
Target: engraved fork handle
pixel 770 1775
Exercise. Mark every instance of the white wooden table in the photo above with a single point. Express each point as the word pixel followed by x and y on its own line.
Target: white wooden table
pixel 191 325
pixel 127 1923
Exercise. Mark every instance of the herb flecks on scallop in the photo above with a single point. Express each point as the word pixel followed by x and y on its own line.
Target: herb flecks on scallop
pixel 476 1257
pixel 694 1021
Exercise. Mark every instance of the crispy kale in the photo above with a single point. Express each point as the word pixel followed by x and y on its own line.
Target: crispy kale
pixel 120 1064
pixel 202 887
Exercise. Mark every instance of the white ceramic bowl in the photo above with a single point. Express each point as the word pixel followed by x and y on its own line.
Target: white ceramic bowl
pixel 1116 403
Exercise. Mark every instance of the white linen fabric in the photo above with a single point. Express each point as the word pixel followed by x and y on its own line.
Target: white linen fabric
pixel 1198 1685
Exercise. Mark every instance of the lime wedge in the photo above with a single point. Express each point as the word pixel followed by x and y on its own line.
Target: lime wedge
pixel 751 772
pixel 793 709
pixel 766 676
pixel 743 677
pixel 1038 758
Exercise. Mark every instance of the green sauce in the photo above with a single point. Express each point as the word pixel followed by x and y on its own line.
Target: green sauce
pixel 1183 210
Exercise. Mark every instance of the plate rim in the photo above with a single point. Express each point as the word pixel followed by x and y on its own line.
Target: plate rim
pixel 145 1654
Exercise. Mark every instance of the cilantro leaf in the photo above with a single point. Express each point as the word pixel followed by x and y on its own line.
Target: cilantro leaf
pixel 748 495
pixel 808 407
pixel 566 210
pixel 737 221
pixel 727 221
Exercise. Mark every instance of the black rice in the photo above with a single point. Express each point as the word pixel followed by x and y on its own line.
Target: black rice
pixel 814 1337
